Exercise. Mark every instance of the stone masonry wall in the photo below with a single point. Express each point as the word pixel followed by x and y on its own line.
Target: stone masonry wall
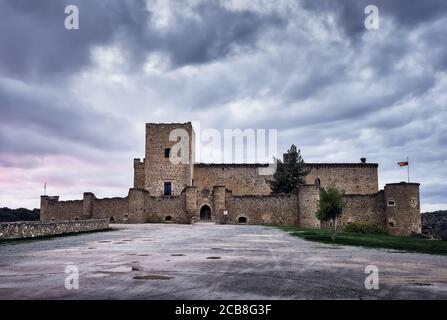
pixel 158 209
pixel 271 209
pixel 158 168
pixel 355 178
pixel 115 209
pixel 32 229
pixel 308 202
pixel 53 209
pixel 364 208
pixel 241 179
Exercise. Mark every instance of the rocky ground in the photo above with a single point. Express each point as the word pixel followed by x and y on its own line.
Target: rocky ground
pixel 434 224
pixel 208 261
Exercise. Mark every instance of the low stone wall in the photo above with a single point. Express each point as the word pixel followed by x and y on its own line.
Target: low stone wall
pixel 32 229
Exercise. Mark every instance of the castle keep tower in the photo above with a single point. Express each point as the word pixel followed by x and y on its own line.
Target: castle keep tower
pixel 157 174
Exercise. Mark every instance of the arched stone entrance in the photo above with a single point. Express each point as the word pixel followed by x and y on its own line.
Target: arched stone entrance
pixel 205 213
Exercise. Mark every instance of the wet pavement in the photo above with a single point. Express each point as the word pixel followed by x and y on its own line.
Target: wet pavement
pixel 208 261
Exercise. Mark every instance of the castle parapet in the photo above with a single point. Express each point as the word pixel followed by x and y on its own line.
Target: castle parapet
pixel 139 175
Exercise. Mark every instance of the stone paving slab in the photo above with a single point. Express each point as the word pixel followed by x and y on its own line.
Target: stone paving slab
pixel 208 261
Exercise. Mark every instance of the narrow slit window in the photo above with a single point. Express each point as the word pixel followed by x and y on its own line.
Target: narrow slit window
pixel 167 189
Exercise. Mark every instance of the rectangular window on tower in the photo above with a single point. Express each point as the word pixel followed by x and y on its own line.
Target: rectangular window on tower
pixel 167 152
pixel 168 189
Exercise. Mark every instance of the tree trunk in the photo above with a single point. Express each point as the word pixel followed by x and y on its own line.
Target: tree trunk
pixel 334 228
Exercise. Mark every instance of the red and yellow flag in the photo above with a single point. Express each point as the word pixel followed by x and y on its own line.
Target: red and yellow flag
pixel 403 163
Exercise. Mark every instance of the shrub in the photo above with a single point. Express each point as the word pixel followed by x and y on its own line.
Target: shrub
pixel 365 227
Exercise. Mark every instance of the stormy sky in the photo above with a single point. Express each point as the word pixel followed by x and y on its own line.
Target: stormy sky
pixel 73 103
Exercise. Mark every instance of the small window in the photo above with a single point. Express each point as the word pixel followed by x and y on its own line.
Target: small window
pixel 167 152
pixel 168 189
pixel 390 224
pixel 318 182
pixel 112 219
pixel 391 203
pixel 242 220
pixel 168 218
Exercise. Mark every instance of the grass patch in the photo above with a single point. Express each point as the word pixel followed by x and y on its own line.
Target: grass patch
pixel 410 244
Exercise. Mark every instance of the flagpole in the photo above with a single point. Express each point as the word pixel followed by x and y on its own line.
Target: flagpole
pixel 408 169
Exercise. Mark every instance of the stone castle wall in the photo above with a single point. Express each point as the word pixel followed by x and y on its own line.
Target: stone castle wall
pixel 241 179
pixel 355 178
pixel 396 208
pixel 53 209
pixel 364 208
pixel 166 209
pixel 268 210
pixel 115 209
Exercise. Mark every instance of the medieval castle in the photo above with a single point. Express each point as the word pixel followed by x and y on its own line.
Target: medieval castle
pixel 238 194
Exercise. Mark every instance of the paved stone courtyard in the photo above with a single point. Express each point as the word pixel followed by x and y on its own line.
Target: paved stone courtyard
pixel 208 261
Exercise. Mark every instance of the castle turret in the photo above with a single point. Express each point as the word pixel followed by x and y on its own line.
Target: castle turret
pixel 191 203
pixel 218 202
pixel 402 208
pixel 87 205
pixel 138 174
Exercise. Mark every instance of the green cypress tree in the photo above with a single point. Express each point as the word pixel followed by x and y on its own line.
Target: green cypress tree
pixel 290 173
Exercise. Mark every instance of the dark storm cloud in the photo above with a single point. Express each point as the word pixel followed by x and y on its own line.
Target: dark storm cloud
pixel 350 13
pixel 35 43
pixel 216 33
pixel 329 86
pixel 37 48
pixel 28 109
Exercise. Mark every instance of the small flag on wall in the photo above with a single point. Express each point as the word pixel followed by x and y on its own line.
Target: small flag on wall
pixel 403 163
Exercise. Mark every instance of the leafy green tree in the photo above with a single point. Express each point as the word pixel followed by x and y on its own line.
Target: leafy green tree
pixel 290 173
pixel 331 206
